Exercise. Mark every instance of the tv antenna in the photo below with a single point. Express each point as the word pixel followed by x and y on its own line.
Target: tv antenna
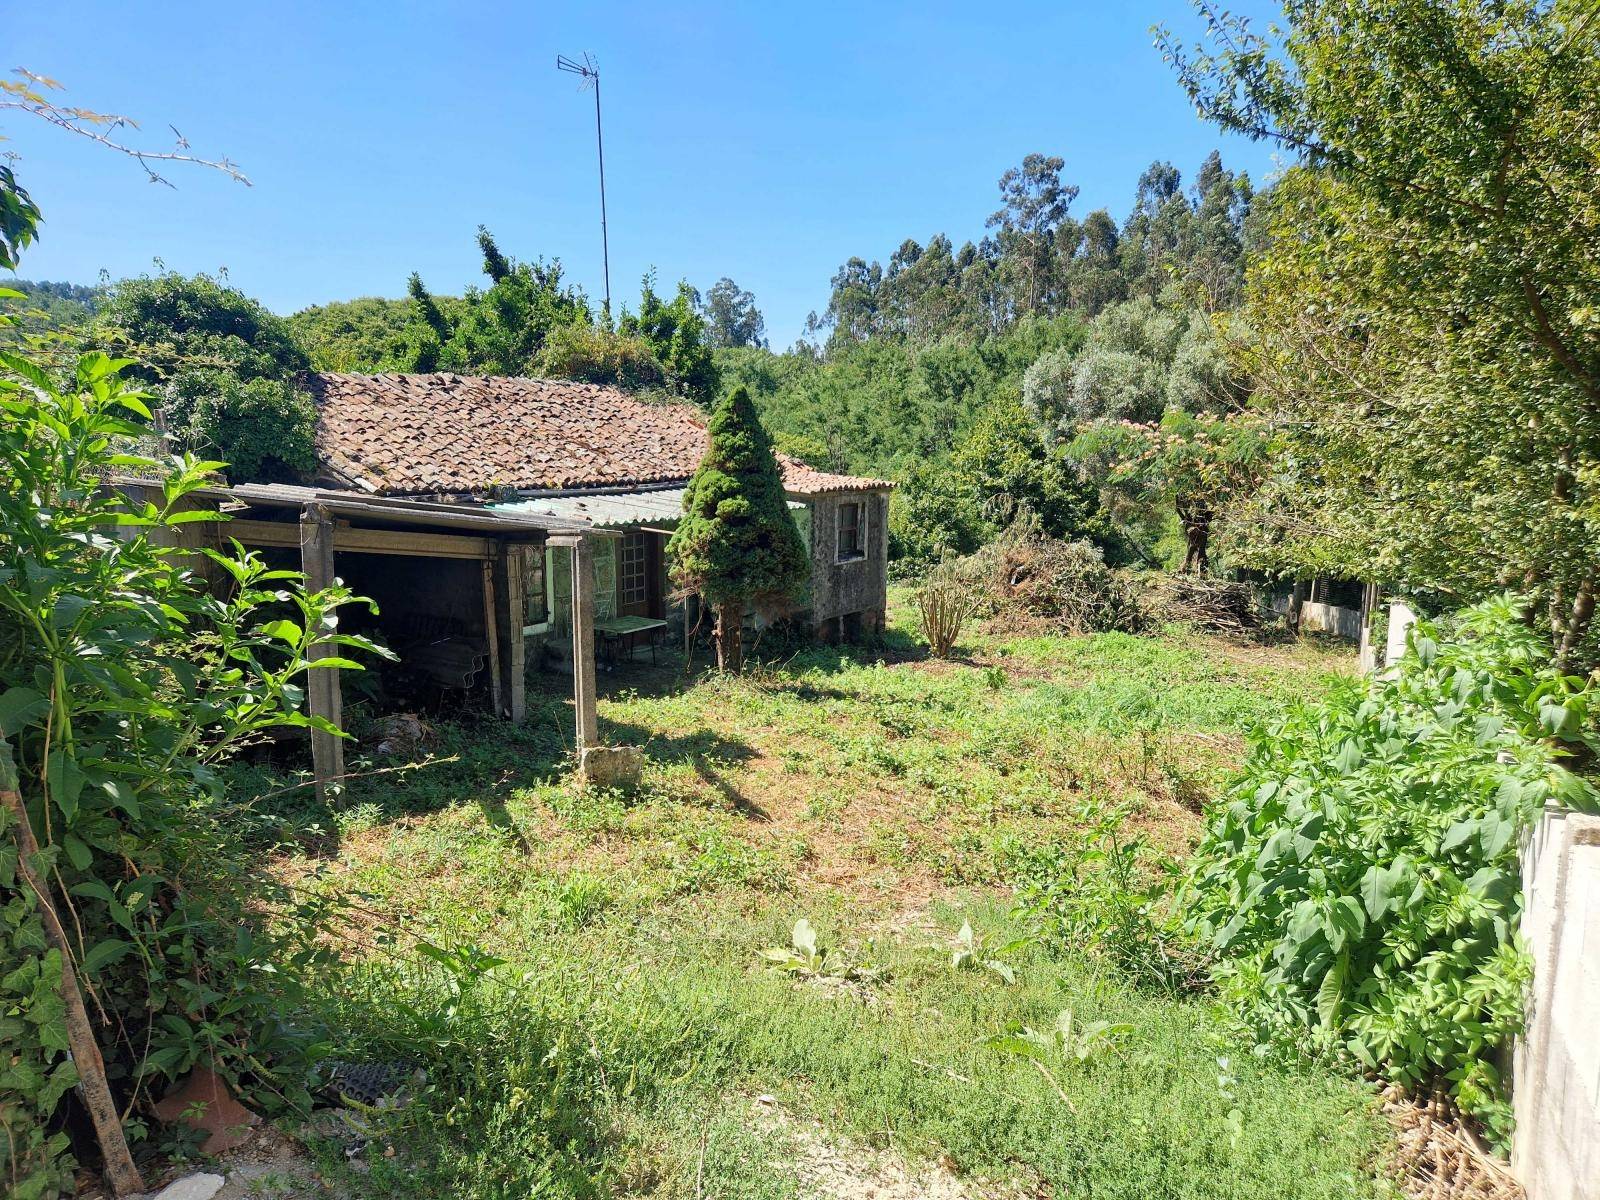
pixel 590 73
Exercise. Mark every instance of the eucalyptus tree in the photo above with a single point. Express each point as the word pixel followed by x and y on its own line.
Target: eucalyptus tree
pixel 1029 223
pixel 731 316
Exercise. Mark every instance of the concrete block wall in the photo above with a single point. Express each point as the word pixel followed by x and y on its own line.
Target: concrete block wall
pixel 1556 1081
pixel 1317 617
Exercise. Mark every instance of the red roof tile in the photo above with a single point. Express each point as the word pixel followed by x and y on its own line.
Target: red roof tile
pixel 468 435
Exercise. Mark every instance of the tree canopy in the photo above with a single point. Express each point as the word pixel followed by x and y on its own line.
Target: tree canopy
pixel 226 368
pixel 1425 299
pixel 732 318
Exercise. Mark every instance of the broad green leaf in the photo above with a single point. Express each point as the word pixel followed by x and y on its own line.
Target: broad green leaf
pixel 1457 835
pixel 1346 924
pixel 20 707
pixel 804 938
pixel 103 953
pixel 1331 991
pixel 1305 837
pixel 65 779
pixel 283 631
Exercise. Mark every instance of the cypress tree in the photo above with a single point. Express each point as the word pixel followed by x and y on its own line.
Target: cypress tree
pixel 737 544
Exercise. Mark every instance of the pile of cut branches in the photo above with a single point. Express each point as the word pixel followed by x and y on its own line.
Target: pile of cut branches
pixel 1066 583
pixel 1215 605
pixel 1438 1157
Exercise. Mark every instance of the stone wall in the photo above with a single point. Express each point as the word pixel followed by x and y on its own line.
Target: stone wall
pixel 1556 1082
pixel 848 599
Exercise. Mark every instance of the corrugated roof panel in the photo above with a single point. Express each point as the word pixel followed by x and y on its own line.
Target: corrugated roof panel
pixel 615 510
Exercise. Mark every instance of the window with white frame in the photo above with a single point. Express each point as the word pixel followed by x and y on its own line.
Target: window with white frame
pixel 852 530
pixel 633 581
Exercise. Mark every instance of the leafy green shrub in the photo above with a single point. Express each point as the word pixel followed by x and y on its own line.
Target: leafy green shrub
pixel 266 427
pixel 123 684
pixel 1105 894
pixel 593 355
pixel 228 367
pixel 1361 885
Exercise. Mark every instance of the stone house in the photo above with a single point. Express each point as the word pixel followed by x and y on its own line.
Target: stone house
pixel 597 457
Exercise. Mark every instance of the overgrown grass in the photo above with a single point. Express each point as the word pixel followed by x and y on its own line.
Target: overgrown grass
pixel 618 1048
pixel 620 1040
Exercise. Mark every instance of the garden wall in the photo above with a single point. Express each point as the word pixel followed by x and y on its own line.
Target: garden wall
pixel 1317 617
pixel 1556 1152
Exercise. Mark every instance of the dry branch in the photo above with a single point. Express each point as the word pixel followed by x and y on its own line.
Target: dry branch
pixel 120 1170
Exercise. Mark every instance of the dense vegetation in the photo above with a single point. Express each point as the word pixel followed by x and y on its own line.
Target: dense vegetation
pixel 1386 365
pixel 1360 883
pixel 226 369
pixel 124 683
pixel 1427 339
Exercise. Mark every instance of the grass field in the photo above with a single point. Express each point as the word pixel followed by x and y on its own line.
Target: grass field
pixel 598 1019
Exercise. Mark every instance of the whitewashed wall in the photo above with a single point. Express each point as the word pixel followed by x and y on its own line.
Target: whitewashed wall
pixel 1317 617
pixel 1556 1086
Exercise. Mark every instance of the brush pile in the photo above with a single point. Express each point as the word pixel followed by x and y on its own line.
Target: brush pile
pixel 1215 605
pixel 1067 584
pixel 1438 1158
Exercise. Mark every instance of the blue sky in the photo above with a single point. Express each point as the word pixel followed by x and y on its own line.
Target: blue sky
pixel 768 142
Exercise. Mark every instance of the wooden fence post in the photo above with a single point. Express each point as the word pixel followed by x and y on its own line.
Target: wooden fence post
pixel 512 614
pixel 583 681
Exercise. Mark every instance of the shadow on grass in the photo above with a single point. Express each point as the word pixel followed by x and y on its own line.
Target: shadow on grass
pixel 708 753
pixel 478 759
pixel 481 760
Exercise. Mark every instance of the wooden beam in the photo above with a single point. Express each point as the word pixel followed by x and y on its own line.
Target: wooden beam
pixel 322 683
pixel 491 635
pixel 510 578
pixel 362 541
pixel 583 681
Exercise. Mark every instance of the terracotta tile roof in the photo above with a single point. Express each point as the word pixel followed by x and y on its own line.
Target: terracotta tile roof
pixel 468 435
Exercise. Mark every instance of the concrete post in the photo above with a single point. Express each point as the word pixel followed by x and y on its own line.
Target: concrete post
pixel 1401 619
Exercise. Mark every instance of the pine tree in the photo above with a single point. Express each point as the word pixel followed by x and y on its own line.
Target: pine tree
pixel 737 544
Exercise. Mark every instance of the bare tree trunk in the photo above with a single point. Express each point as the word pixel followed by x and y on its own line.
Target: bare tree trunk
pixel 730 648
pixel 1577 624
pixel 1297 604
pixel 123 1175
pixel 1196 522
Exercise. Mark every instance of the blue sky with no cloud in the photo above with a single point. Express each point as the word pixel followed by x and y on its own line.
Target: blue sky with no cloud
pixel 767 142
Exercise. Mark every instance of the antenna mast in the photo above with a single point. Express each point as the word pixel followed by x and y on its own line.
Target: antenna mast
pixel 590 74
